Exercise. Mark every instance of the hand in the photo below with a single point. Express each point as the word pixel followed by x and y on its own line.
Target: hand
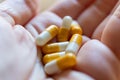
pixel 99 57
pixel 95 60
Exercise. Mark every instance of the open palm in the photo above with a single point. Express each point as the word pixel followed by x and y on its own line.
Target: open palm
pixel 99 55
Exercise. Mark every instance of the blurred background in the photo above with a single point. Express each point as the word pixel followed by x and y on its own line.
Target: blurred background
pixel 44 3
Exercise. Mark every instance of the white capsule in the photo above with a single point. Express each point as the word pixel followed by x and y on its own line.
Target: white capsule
pixel 50 57
pixel 62 63
pixel 72 48
pixel 52 67
pixel 47 35
pixel 74 45
pixel 54 47
pixel 64 31
pixel 67 20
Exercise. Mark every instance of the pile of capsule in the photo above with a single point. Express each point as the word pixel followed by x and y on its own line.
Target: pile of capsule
pixel 61 54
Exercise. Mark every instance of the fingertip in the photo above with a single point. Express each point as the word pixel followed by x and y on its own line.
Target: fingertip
pixel 85 39
pixel 34 5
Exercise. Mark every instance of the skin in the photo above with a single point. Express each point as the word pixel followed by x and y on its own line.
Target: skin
pixel 98 58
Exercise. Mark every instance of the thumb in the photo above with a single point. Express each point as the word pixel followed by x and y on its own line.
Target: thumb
pixel 18 11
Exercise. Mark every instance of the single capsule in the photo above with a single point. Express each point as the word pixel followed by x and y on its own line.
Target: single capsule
pixel 54 47
pixel 62 63
pixel 47 35
pixel 75 28
pixel 64 31
pixel 74 44
pixel 50 57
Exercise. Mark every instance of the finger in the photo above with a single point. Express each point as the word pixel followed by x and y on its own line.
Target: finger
pixel 42 21
pixel 32 30
pixel 92 17
pixel 111 33
pixel 85 39
pixel 70 7
pixel 72 75
pixel 18 11
pixel 98 61
pixel 99 30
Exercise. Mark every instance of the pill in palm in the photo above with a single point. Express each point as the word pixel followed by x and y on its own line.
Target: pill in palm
pixel 54 47
pixel 50 57
pixel 63 33
pixel 47 35
pixel 60 55
pixel 75 28
pixel 74 44
pixel 60 64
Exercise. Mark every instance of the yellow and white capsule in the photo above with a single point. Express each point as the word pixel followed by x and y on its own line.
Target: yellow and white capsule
pixel 54 47
pixel 75 28
pixel 50 57
pixel 47 35
pixel 63 33
pixel 62 63
pixel 74 44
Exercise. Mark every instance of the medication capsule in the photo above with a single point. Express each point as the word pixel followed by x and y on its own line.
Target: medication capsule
pixel 47 35
pixel 63 33
pixel 62 63
pixel 75 28
pixel 50 57
pixel 54 47
pixel 74 44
